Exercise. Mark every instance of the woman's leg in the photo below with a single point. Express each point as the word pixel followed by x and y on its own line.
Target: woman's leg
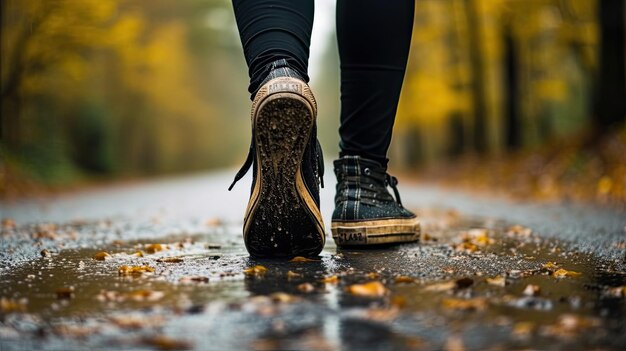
pixel 271 30
pixel 283 216
pixel 374 37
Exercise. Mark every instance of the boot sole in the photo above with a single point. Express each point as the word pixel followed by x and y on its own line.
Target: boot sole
pixel 282 219
pixel 376 232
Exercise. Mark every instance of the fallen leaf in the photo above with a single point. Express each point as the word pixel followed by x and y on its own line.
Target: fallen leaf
pixel 154 248
pixel 11 305
pixel 146 295
pixel 454 343
pixel 65 293
pixel 518 230
pixel 475 304
pixel 8 223
pixel 532 290
pixel 570 325
pixel 523 329
pixel 372 275
pixel 101 256
pixel 562 273
pixel 404 279
pixel 443 286
pixel 302 259
pixel 497 281
pixel 466 247
pixel 550 266
pixel 293 275
pixel 305 287
pixel 398 301
pixel 137 322
pixel 194 279
pixel 138 254
pixel 166 343
pixel 256 270
pixel 333 279
pixel 170 260
pixel 371 289
pixel 134 270
pixel 282 297
pixel 619 291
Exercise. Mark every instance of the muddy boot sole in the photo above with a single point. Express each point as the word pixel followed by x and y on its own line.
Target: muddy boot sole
pixel 282 219
pixel 376 232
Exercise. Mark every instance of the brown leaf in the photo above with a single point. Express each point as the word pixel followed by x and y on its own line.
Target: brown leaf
pixel 562 273
pixel 256 270
pixel 475 304
pixel 101 256
pixel 8 223
pixel 404 279
pixel 371 289
pixel 333 279
pixel 194 279
pixel 293 275
pixel 170 260
pixel 134 270
pixel 154 248
pixel 281 297
pixel 532 290
pixel 497 281
pixel 443 286
pixel 65 293
pixel 10 305
pixel 146 295
pixel 372 275
pixel 305 287
pixel 162 342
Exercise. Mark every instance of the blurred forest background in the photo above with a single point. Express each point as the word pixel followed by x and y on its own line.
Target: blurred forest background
pixel 523 92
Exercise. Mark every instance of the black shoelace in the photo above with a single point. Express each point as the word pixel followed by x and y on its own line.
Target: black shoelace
pixel 372 184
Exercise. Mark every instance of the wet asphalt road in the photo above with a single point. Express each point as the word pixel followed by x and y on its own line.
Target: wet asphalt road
pixel 465 286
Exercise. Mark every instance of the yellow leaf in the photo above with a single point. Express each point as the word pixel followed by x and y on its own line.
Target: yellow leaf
pixel 154 248
pixel 497 281
pixel 443 286
pixel 333 279
pixel 562 273
pixel 134 270
pixel 371 289
pixel 256 270
pixel 101 256
pixel 306 287
pixel 404 279
pixel 475 304
pixel 170 260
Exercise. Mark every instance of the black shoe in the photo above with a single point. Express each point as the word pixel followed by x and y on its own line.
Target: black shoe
pixel 283 217
pixel 365 213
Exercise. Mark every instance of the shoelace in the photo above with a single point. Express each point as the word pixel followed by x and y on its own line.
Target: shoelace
pixel 368 182
pixel 250 159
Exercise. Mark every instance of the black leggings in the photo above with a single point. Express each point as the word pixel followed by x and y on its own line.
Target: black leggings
pixel 374 39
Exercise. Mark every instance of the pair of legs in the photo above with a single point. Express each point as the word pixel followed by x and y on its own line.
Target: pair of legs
pixel 374 39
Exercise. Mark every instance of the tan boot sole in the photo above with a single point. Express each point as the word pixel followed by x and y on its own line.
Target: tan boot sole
pixel 376 232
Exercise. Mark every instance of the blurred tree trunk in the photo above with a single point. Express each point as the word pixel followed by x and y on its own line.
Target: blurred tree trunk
pixel 611 87
pixel 513 128
pixel 478 74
